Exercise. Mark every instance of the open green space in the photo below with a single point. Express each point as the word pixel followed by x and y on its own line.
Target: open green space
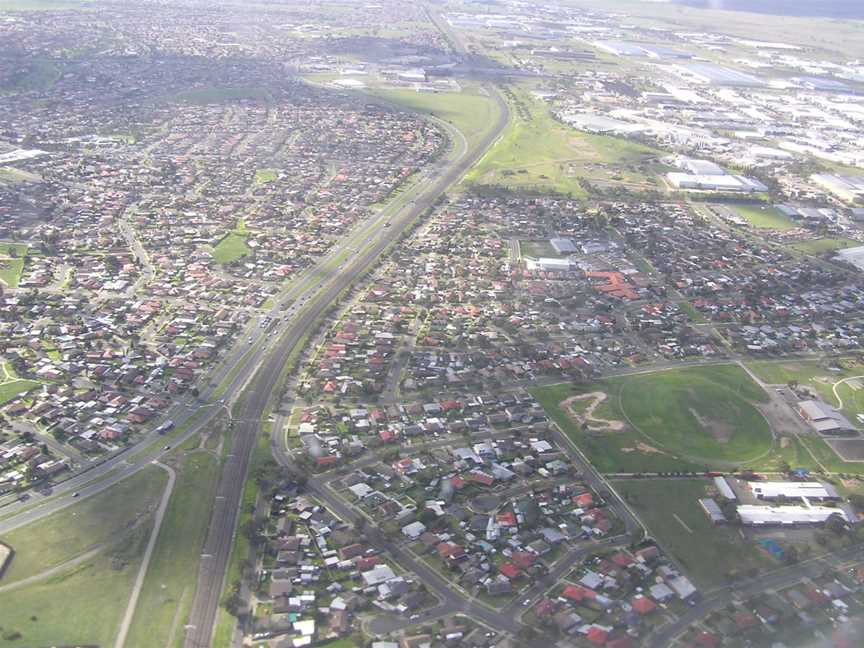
pixel 12 263
pixel 538 153
pixel 471 112
pixel 765 217
pixel 166 597
pixel 263 176
pixel 683 419
pixel 214 95
pixel 106 519
pixel 231 247
pixel 822 245
pixel 709 554
pixel 80 606
pixel 11 385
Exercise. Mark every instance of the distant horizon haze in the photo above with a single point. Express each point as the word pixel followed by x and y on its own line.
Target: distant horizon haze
pixel 823 8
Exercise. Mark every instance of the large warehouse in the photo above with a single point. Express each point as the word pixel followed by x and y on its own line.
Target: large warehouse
pixel 823 418
pixel 787 515
pixel 793 490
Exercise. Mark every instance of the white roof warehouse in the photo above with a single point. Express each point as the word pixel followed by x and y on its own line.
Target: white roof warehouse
pixel 793 490
pixel 787 515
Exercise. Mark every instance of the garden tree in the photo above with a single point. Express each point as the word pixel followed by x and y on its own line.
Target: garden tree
pixel 836 524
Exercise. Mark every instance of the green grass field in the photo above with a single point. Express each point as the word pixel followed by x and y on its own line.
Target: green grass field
pixel 683 419
pixel 823 245
pixel 765 217
pixel 538 153
pixel 11 386
pixel 15 388
pixel 230 248
pixel 537 249
pixel 263 176
pixel 104 519
pixel 12 267
pixel 470 112
pixel 82 606
pixel 169 588
pixel 215 95
pixel 708 553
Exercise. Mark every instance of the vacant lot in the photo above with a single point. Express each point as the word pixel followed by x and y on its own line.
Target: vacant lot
pixel 709 554
pixel 684 419
pixel 537 152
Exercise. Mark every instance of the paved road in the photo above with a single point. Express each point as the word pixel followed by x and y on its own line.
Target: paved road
pixel 145 562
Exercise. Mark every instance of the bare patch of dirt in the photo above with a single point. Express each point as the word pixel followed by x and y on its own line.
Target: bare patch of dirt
pixel 721 431
pixel 644 448
pixel 594 424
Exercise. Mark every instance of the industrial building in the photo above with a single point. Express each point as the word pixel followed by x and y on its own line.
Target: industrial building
pixel 854 255
pixel 563 245
pixel 787 515
pixel 793 490
pixel 847 188
pixel 545 264
pixel 823 418
pixel 738 184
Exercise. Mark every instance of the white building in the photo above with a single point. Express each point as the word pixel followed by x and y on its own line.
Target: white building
pixel 787 515
pixel 793 490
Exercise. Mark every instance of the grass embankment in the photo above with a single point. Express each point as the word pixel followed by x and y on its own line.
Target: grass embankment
pixel 469 111
pixel 225 623
pixel 538 153
pixel 683 419
pixel 823 245
pixel 84 602
pixel 671 511
pixel 168 591
pixel 104 519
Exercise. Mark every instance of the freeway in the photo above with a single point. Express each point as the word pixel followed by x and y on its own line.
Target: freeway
pixel 259 390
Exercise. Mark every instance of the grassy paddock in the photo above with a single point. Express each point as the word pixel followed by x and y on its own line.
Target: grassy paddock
pixel 536 152
pixel 104 519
